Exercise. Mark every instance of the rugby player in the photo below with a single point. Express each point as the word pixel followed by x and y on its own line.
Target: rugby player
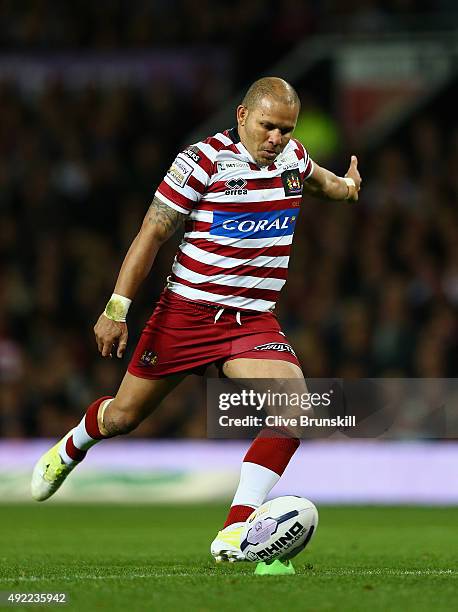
pixel 238 194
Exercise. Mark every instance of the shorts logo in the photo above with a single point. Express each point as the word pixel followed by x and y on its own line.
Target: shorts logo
pixel 193 153
pixel 179 172
pixel 292 183
pixel 148 358
pixel 275 346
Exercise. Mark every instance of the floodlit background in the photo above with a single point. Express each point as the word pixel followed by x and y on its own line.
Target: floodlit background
pixel 96 98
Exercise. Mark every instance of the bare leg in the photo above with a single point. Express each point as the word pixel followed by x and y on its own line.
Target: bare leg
pixel 261 368
pixel 136 399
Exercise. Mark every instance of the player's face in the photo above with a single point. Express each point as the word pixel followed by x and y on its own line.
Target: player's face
pixel 266 129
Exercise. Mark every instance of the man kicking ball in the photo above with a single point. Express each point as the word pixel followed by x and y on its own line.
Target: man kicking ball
pixel 238 194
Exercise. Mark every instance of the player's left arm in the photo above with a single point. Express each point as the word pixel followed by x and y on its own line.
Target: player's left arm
pixel 323 183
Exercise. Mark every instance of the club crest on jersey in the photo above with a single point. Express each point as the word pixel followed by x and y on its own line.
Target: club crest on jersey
pixel 148 358
pixel 292 183
pixel 235 187
pixel 266 224
pixel 275 346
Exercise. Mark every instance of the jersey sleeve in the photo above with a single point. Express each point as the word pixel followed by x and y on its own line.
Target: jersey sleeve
pixel 306 162
pixel 309 165
pixel 186 180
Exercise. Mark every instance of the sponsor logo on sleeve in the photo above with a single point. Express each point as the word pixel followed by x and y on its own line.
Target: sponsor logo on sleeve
pixel 292 183
pixel 179 172
pixel 193 153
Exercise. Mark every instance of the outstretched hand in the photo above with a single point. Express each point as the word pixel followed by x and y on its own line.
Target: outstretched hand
pixel 353 173
pixel 109 334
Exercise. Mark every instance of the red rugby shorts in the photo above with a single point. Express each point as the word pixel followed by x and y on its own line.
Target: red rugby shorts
pixel 187 336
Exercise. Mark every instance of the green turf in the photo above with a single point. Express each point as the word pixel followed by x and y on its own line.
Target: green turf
pixel 156 558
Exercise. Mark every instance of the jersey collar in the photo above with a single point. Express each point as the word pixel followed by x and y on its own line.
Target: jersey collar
pixel 233 134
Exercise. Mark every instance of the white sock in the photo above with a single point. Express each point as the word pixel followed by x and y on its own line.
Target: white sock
pixel 80 437
pixel 256 482
pixel 63 453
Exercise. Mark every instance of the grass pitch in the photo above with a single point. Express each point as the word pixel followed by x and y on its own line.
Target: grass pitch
pixel 156 558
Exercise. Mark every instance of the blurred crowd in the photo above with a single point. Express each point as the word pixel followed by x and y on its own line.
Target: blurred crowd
pixel 372 291
pixel 77 172
pixel 110 24
pixel 378 283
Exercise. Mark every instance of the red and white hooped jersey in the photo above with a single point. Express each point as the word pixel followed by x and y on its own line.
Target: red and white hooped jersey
pixel 241 219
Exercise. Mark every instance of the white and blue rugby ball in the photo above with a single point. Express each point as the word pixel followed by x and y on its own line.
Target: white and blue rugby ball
pixel 279 529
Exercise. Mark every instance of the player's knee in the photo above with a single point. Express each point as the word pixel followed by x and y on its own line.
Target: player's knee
pixel 122 417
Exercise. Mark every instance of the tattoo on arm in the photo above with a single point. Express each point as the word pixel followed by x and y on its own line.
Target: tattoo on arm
pixel 164 218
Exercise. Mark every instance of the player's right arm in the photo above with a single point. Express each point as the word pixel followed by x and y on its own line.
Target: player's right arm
pixel 177 195
pixel 159 224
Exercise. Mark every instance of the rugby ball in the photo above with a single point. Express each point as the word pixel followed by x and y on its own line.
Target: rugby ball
pixel 279 529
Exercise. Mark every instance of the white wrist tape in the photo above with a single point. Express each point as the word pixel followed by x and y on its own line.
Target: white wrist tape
pixel 117 308
pixel 350 183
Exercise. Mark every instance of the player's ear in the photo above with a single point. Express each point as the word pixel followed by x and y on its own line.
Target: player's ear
pixel 242 114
